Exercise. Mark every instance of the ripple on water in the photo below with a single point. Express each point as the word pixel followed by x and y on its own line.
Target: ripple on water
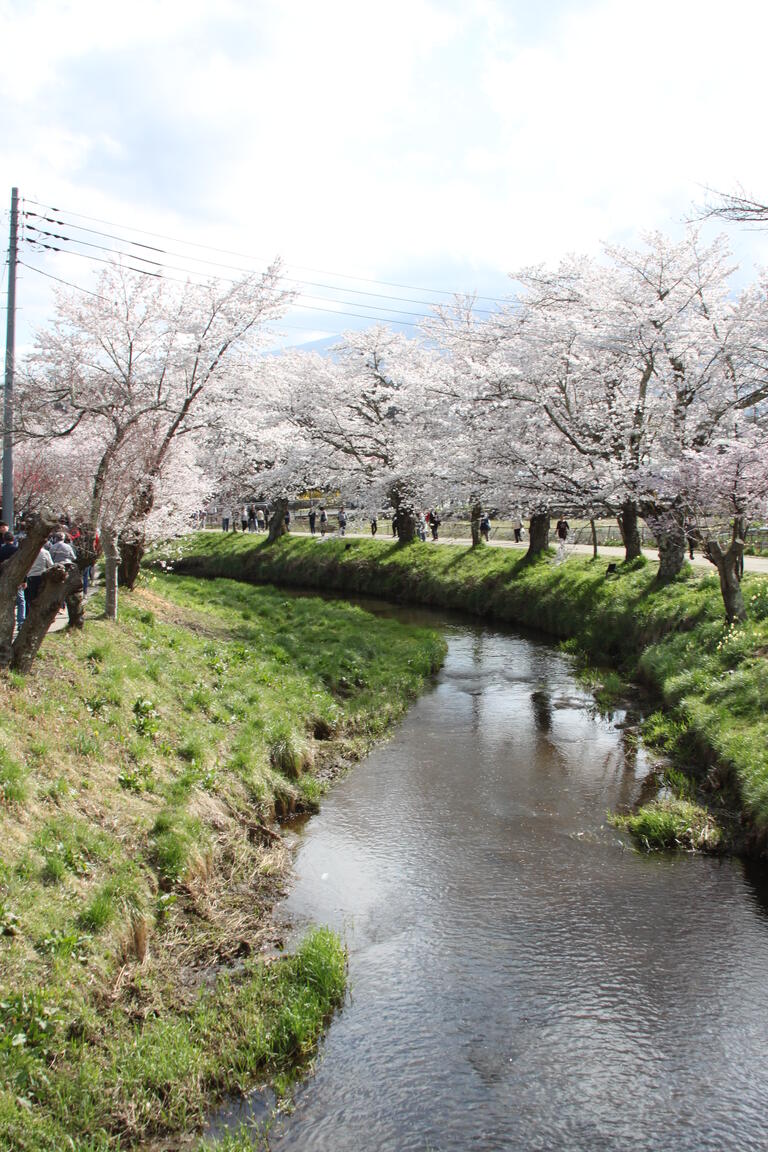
pixel 519 980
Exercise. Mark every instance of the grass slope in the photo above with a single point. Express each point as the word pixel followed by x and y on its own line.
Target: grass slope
pixel 712 680
pixel 140 767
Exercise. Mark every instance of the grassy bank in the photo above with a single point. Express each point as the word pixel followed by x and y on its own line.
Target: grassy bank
pixel 141 766
pixel 711 680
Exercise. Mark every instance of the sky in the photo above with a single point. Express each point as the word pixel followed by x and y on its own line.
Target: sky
pixel 377 148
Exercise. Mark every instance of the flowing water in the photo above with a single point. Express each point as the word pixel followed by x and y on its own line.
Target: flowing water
pixel 519 977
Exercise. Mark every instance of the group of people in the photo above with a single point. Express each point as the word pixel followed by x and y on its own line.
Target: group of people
pixel 59 548
pixel 320 516
pixel 425 522
pixel 252 519
pixel 429 520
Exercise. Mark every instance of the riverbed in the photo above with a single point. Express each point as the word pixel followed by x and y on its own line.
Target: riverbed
pixel 521 978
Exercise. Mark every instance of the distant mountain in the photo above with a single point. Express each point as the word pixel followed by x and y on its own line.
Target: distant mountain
pixel 318 345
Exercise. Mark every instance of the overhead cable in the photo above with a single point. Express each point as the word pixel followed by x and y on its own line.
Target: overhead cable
pixel 37 244
pixel 262 259
pixel 202 260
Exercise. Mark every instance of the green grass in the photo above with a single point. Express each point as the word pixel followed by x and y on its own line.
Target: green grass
pixel 672 823
pixel 13 780
pixel 245 1138
pixel 711 679
pixel 157 1077
pixel 140 768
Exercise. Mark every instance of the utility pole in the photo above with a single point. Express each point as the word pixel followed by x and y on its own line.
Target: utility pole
pixel 10 341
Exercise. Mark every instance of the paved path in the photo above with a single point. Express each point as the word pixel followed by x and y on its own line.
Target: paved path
pixel 62 617
pixel 610 552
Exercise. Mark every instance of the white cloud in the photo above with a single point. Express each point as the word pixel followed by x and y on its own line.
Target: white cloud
pixel 378 139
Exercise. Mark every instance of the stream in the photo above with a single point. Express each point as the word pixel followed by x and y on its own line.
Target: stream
pixel 519 977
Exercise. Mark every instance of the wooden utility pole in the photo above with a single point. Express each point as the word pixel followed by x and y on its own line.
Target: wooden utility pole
pixel 10 340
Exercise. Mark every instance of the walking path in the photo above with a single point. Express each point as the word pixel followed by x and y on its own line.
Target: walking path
pixel 608 551
pixel 62 617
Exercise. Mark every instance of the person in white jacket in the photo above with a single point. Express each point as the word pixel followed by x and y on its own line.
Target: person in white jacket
pixel 40 565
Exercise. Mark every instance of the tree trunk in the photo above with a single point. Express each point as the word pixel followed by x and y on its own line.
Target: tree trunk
pixel 671 540
pixel 57 585
pixel 630 532
pixel 405 515
pixel 593 526
pixel 538 534
pixel 406 524
pixel 277 527
pixel 667 523
pixel 76 607
pixel 474 523
pixel 131 554
pixel 730 566
pixel 133 540
pixel 111 562
pixel 12 574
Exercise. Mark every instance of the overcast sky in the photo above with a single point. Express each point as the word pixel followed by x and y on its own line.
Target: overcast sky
pixel 432 143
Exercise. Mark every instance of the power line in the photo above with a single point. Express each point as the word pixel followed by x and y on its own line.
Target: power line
pixel 202 260
pixel 158 275
pixel 215 264
pixel 262 259
pixel 174 279
pixel 279 323
pixel 68 283
pixel 176 268
pixel 99 260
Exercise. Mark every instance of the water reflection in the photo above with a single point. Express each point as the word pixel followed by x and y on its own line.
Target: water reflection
pixel 520 979
pixel 542 709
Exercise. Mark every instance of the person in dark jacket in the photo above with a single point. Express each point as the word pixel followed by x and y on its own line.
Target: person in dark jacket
pixel 8 548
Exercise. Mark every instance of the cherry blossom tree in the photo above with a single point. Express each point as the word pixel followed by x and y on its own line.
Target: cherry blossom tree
pixel 500 371
pixel 361 421
pixel 736 207
pixel 606 371
pixel 722 488
pixel 125 372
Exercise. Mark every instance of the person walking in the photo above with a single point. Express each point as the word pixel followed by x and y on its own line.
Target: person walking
pixel 690 536
pixel 226 516
pixel 260 520
pixel 561 528
pixel 40 565
pixel 434 523
pixel 323 521
pixel 517 528
pixel 312 520
pixel 374 525
pixel 252 522
pixel 485 527
pixel 342 521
